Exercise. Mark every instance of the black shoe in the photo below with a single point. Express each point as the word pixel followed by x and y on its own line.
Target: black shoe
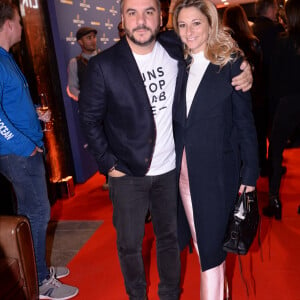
pixel 274 209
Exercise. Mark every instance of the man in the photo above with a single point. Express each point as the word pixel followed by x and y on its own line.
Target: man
pixel 21 154
pixel 266 29
pixel 126 111
pixel 87 40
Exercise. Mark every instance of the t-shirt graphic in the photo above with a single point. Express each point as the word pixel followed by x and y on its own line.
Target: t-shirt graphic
pixel 159 73
pixel 155 83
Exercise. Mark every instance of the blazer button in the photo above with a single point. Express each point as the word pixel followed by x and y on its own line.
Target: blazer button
pixel 150 141
pixel 146 160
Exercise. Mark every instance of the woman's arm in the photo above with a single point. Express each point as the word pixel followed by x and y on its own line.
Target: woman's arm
pixel 243 121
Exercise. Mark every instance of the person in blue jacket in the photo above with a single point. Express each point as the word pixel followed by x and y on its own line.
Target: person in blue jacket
pixel 21 154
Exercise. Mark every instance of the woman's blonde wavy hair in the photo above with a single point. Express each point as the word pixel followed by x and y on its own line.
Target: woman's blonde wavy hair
pixel 221 48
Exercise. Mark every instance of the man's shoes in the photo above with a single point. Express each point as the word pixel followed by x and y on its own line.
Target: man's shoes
pixel 53 289
pixel 274 209
pixel 59 272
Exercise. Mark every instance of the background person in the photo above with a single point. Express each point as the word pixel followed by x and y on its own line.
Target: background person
pixel 21 154
pixel 284 89
pixel 235 18
pixel 266 28
pixel 87 40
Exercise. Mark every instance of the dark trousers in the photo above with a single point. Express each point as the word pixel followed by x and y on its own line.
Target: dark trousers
pixel 131 198
pixel 261 123
pixel 286 120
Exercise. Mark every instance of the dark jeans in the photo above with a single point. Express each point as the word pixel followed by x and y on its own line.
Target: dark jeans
pixel 27 175
pixel 131 198
pixel 285 123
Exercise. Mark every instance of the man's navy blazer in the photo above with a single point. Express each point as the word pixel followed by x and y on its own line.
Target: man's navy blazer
pixel 115 111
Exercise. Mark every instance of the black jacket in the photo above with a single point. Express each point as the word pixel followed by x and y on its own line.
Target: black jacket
pixel 219 138
pixel 115 111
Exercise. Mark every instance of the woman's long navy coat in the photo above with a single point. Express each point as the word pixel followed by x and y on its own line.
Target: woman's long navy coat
pixel 219 137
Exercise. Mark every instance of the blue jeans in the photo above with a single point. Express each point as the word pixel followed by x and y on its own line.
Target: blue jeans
pixel 27 175
pixel 131 198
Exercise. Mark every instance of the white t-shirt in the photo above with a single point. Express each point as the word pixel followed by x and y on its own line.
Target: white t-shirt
pixel 159 72
pixel 196 72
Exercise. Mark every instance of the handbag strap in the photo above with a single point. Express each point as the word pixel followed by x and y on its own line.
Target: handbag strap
pixel 242 276
pixel 259 239
pixel 243 198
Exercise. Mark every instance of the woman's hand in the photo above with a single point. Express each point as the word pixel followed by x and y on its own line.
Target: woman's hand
pixel 248 188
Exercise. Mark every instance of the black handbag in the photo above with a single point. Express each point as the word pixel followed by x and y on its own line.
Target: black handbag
pixel 243 224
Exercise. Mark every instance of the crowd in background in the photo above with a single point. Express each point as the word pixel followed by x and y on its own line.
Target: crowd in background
pixel 271 45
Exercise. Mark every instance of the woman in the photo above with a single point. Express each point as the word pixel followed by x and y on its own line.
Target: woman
pixel 215 139
pixel 284 90
pixel 235 18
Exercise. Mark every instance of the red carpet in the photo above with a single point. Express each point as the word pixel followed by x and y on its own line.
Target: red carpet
pixel 274 276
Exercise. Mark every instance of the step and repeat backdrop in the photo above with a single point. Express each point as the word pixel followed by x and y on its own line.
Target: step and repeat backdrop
pixel 66 17
pixel 103 15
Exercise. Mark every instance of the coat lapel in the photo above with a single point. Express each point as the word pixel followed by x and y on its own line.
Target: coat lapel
pixel 209 93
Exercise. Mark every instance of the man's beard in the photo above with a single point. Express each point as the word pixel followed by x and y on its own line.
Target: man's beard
pixel 144 43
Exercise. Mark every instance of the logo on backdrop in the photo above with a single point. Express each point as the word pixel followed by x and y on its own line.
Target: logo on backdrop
pixel 108 24
pixel 113 11
pixel 100 8
pixel 71 39
pixel 104 39
pixel 84 5
pixel 78 21
pixel 69 2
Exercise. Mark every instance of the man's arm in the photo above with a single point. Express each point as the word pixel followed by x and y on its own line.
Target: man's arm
pixel 73 82
pixel 245 79
pixel 92 112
